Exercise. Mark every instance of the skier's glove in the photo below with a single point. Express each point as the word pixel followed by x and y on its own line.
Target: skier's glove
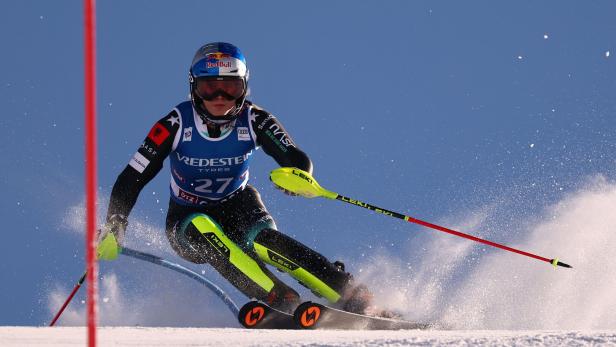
pixel 111 237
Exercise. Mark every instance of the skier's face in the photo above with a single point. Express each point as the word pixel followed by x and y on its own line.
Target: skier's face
pixel 219 106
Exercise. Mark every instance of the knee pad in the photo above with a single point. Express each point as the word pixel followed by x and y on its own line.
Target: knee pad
pixel 199 227
pixel 252 233
pixel 208 239
pixel 184 245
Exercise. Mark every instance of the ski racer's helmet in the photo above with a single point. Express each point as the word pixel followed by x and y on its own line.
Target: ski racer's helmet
pixel 218 68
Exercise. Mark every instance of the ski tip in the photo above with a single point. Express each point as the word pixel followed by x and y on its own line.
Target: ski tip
pixel 556 263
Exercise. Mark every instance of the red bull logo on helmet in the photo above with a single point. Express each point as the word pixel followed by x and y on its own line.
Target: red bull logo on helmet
pixel 218 64
pixel 218 60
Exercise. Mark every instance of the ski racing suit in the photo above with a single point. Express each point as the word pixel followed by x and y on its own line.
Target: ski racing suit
pixel 215 216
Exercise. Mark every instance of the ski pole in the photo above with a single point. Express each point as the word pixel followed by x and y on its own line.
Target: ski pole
pixel 70 297
pixel 302 183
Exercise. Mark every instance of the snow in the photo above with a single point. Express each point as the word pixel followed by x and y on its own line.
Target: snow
pixel 447 281
pixel 141 336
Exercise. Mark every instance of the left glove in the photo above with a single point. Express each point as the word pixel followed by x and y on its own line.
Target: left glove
pixel 111 237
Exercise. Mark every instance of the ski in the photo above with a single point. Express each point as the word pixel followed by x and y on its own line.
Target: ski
pixel 310 315
pixel 258 315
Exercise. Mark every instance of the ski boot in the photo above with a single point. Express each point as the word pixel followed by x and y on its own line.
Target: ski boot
pixel 285 300
pixel 357 299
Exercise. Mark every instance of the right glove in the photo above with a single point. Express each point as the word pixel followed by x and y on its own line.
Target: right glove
pixel 111 237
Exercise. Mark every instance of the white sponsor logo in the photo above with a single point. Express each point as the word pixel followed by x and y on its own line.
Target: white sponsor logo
pixel 243 134
pixel 262 125
pixel 188 134
pixel 213 162
pixel 281 135
pixel 149 148
pixel 139 162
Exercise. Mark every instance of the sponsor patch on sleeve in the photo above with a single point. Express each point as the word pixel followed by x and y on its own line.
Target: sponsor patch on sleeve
pixel 158 134
pixel 139 162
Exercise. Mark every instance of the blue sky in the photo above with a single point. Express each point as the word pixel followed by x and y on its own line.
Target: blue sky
pixel 433 109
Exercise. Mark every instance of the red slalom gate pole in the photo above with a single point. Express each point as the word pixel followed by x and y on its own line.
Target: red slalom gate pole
pixel 90 139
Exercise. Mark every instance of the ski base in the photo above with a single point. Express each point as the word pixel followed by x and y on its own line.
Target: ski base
pixel 310 315
pixel 258 315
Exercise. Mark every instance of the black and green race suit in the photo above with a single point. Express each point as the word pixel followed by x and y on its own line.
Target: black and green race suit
pixel 235 233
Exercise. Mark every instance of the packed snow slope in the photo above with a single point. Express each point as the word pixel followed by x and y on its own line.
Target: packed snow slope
pixel 437 278
pixel 122 336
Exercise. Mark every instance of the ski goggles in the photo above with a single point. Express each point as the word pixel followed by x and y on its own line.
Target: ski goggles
pixel 209 88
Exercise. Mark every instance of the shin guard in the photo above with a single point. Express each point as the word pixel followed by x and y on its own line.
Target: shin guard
pixel 308 267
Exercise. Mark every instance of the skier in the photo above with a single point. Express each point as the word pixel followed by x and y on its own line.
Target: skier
pixel 214 215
